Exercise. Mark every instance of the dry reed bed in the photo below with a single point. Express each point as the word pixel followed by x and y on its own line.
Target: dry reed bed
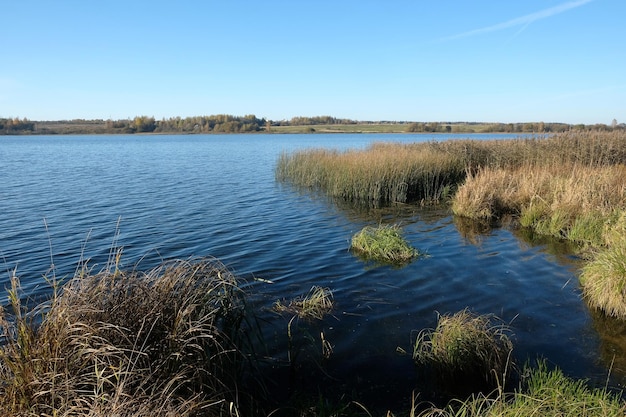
pixel 571 201
pixel 383 173
pixel 166 342
pixel 428 172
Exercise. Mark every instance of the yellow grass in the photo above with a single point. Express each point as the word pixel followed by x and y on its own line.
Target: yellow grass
pixel 570 201
pixel 161 343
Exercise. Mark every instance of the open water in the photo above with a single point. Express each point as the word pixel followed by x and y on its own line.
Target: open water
pixel 70 198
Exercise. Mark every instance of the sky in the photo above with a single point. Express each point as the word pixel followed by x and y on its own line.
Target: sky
pixel 502 61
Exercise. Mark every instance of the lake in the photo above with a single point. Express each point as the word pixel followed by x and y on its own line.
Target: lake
pixel 70 198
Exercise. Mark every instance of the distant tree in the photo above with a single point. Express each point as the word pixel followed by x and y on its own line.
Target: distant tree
pixel 144 124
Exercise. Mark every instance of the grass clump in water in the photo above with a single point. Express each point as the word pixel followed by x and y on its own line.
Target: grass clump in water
pixel 546 393
pixel 166 342
pixel 466 348
pixel 315 305
pixel 383 243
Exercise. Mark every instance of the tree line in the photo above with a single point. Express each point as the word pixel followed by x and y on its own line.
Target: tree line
pixel 225 123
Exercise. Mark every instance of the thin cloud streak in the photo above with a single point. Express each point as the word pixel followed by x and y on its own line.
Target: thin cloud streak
pixel 523 21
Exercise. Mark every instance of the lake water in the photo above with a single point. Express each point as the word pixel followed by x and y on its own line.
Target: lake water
pixel 174 196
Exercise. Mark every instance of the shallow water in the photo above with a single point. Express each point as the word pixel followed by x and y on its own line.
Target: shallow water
pixel 164 197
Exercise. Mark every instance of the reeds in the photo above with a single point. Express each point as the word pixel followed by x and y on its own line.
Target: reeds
pixel 384 244
pixel 382 174
pixel 472 349
pixel 576 192
pixel 567 201
pixel 429 172
pixel 166 342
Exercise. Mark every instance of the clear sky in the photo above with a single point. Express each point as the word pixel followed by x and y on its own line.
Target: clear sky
pixel 414 60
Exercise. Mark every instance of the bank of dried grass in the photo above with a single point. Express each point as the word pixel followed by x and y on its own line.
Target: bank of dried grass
pixel 162 343
pixel 430 172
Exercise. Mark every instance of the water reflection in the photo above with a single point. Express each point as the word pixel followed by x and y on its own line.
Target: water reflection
pixel 612 350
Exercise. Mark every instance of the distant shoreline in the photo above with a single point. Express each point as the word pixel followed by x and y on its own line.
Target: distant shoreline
pixel 221 124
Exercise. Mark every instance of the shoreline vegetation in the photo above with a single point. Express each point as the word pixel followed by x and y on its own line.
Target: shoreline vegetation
pixel 569 185
pixel 225 123
pixel 182 340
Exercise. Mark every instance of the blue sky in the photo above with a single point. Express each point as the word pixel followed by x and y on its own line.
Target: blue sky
pixel 449 60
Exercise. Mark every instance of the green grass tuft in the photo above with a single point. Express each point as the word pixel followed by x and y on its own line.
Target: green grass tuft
pixel 315 305
pixel 465 347
pixel 384 243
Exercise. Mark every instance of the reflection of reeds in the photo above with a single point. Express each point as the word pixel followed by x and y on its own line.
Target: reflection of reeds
pixel 383 243
pixel 166 342
pixel 465 347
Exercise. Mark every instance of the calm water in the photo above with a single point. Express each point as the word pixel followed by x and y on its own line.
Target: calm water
pixel 163 197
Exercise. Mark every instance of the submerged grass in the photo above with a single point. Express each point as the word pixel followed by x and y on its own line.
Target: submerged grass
pixel 466 348
pixel 166 342
pixel 383 243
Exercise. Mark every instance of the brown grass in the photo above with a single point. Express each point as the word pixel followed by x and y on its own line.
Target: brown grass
pixel 163 343
pixel 430 172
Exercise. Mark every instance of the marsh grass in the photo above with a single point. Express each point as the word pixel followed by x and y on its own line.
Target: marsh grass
pixel 382 174
pixel 166 342
pixel 570 201
pixel 384 244
pixel 430 172
pixel 603 280
pixel 314 305
pixel 546 393
pixel 466 348
pixel 576 191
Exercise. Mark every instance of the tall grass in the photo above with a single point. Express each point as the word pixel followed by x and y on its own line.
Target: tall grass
pixel 429 172
pixel 384 173
pixel 603 279
pixel 569 201
pixel 577 191
pixel 166 342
